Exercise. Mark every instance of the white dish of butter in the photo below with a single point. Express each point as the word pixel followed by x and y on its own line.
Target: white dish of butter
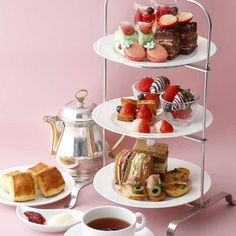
pixel 56 220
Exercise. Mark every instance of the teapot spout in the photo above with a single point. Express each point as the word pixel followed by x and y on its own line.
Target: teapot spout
pixel 55 133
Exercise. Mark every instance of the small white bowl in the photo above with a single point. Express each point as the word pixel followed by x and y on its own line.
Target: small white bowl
pixel 47 214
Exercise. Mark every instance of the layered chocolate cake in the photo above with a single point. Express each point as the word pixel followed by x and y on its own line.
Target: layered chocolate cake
pixel 168 38
pixel 188 37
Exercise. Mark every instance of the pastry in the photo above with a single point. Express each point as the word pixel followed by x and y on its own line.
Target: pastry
pixel 4 179
pixel 22 187
pixel 50 181
pixel 126 32
pixel 144 113
pixel 151 104
pixel 158 151
pixel 140 125
pixel 123 101
pixel 177 189
pixel 127 112
pixel 37 168
pixel 177 174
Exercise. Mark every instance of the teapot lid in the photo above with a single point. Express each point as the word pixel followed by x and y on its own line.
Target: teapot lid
pixel 78 110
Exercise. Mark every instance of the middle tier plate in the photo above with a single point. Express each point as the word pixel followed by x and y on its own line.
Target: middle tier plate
pixel 105 116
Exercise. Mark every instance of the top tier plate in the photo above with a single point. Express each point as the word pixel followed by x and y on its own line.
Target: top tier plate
pixel 103 47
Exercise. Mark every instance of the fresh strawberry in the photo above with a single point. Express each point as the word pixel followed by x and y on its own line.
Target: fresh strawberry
pixel 182 114
pixel 145 84
pixel 144 126
pixel 167 21
pixel 137 16
pixel 126 27
pixel 162 10
pixel 184 17
pixel 145 27
pixel 146 17
pixel 128 109
pixel 153 96
pixel 166 127
pixel 144 113
pixel 170 93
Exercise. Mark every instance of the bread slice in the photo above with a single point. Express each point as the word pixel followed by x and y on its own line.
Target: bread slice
pixel 161 197
pixel 177 189
pixel 126 191
pixel 50 181
pixel 22 187
pixel 37 168
pixel 4 179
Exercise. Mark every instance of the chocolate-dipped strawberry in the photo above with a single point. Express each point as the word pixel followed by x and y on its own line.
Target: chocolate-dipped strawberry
pixel 159 84
pixel 182 99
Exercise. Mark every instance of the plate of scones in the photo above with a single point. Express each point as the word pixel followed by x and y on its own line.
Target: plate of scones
pixel 34 185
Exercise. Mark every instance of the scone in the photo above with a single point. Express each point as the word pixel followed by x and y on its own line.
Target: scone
pixel 4 179
pixel 50 181
pixel 22 187
pixel 37 168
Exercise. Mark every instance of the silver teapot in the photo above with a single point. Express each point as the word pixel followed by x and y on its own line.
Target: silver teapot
pixel 76 140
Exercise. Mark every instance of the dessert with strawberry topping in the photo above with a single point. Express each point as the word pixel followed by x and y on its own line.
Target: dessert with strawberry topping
pixel 126 32
pixel 144 13
pixel 179 105
pixel 145 33
pixel 167 21
pixel 144 113
pixel 127 112
pixel 162 126
pixel 140 125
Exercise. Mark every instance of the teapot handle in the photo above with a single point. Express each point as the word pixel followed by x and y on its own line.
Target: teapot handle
pixel 80 95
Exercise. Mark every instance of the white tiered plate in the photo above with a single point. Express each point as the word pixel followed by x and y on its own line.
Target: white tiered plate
pixel 104 48
pixel 105 116
pixel 40 200
pixel 105 185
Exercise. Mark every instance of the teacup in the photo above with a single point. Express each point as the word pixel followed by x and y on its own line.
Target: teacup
pixel 111 221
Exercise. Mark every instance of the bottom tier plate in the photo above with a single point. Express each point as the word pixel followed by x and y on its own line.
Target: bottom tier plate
pixel 105 185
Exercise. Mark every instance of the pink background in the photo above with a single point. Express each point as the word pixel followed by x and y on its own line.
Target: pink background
pixel 46 54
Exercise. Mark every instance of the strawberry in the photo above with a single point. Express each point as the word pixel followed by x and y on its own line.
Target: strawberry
pixel 184 17
pixel 153 96
pixel 128 109
pixel 144 126
pixel 162 10
pixel 170 93
pixel 145 27
pixel 145 84
pixel 146 17
pixel 144 113
pixel 166 127
pixel 126 27
pixel 182 114
pixel 167 21
pixel 137 16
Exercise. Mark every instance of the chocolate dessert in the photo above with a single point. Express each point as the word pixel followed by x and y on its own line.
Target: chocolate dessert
pixel 168 38
pixel 187 37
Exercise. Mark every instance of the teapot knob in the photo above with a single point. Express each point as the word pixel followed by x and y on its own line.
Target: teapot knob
pixel 80 95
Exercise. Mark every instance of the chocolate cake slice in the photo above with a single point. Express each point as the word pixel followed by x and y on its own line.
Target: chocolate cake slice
pixel 188 37
pixel 168 38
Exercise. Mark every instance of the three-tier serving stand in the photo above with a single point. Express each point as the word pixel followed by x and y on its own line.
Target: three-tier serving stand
pixel 208 49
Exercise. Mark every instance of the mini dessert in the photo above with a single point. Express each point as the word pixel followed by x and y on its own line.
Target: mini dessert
pixel 144 113
pixel 177 174
pixel 158 151
pixel 181 100
pixel 155 189
pixel 140 125
pixel 22 187
pixel 159 84
pixel 144 14
pixel 150 103
pixel 127 112
pixel 50 181
pixel 164 9
pixel 145 33
pixel 163 127
pixel 177 189
pixel 134 52
pixel 156 52
pixel 125 33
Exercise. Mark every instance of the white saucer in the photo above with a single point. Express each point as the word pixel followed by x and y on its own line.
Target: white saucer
pixel 76 230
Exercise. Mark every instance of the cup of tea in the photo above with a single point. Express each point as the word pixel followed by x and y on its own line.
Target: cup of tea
pixel 111 221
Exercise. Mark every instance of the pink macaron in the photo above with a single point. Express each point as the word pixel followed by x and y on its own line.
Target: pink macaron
pixel 157 54
pixel 135 52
